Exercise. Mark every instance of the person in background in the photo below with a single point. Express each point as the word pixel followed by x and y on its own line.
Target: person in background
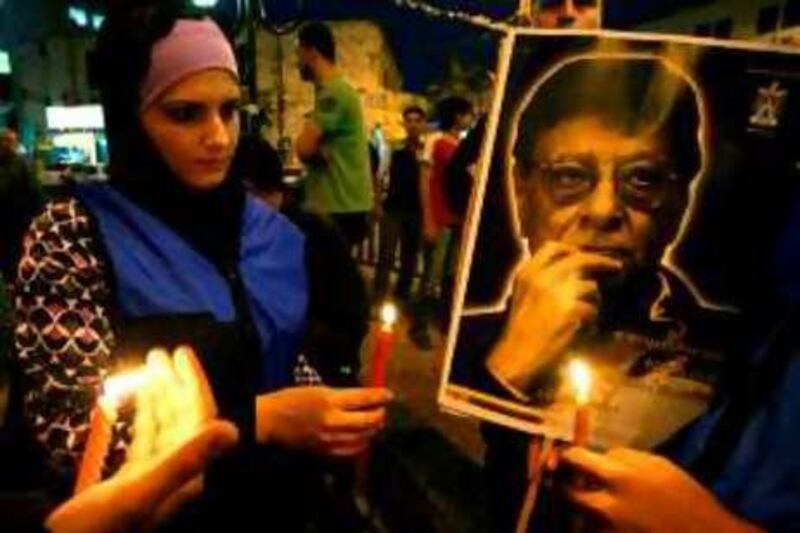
pixel 259 166
pixel 401 223
pixel 455 115
pixel 333 142
pixel 20 199
pixel 337 318
pixel 338 309
pixel 367 250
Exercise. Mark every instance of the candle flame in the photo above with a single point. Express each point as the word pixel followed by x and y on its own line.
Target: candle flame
pixel 388 315
pixel 117 387
pixel 581 377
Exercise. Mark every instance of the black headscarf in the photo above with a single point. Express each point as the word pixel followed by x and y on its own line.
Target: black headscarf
pixel 209 220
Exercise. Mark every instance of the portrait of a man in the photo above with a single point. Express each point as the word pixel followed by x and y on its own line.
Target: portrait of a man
pixel 604 155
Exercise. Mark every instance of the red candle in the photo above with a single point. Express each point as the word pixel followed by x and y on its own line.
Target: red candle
pixel 101 426
pixel 581 378
pixel 582 426
pixel 384 342
pixel 382 349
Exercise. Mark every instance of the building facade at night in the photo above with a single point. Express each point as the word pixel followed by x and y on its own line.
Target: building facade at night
pixel 735 19
pixel 48 43
pixel 363 58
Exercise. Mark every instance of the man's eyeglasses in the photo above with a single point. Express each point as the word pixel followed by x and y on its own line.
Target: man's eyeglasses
pixel 642 184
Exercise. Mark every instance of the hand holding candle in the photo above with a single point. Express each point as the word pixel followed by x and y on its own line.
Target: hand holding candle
pixel 173 399
pixel 331 422
pixel 638 491
pixel 171 405
pixel 163 471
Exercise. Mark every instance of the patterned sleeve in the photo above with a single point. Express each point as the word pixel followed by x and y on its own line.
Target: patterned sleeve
pixel 63 333
pixel 305 374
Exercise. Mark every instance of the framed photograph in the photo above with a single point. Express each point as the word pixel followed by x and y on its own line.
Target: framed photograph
pixel 629 197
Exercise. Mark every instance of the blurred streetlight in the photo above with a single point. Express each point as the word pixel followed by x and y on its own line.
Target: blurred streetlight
pixel 205 4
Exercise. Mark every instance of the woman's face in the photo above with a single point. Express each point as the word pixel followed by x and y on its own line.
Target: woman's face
pixel 194 125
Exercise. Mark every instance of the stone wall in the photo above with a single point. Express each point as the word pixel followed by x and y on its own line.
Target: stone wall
pixel 364 59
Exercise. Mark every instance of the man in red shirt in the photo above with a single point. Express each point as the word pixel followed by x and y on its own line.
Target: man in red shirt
pixel 455 115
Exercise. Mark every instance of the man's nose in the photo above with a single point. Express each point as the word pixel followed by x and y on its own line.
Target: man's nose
pixel 566 17
pixel 603 209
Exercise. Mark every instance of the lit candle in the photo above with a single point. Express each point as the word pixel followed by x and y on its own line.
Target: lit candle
pixel 101 426
pixel 384 341
pixel 581 379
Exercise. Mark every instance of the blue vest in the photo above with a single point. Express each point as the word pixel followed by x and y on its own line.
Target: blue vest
pixel 158 273
pixel 761 480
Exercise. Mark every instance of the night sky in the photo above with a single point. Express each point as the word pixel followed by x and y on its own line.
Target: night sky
pixel 424 45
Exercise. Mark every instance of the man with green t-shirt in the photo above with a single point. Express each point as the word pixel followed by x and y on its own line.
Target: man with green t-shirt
pixel 333 144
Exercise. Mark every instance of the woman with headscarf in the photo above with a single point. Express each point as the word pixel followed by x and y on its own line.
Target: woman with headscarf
pixel 172 250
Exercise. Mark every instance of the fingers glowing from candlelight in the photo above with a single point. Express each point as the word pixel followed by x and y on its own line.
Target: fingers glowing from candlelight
pixel 191 373
pixel 144 427
pixel 171 405
pixel 172 423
